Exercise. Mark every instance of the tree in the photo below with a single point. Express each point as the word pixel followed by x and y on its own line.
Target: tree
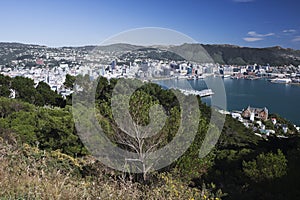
pixel 266 167
pixel 24 124
pixel 139 130
pixel 9 106
pixel 4 86
pixel 24 88
pixel 144 119
pixel 46 96
pixel 55 130
pixel 70 80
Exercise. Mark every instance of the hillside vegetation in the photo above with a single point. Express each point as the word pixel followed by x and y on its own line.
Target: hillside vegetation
pixel 42 156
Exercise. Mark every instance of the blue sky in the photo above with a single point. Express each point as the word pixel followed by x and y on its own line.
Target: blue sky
pixel 254 23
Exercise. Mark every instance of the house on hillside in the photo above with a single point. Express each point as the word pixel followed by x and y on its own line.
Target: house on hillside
pixel 255 113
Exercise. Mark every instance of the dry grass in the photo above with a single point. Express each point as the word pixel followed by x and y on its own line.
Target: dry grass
pixel 28 173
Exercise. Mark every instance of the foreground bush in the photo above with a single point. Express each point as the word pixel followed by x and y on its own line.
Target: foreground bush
pixel 29 173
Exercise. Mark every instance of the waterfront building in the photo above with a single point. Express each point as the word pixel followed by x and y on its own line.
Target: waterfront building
pixel 258 113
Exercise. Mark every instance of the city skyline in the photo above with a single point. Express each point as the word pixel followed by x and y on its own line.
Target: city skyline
pixel 251 23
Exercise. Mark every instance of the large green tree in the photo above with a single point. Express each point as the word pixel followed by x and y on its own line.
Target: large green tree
pixel 70 80
pixel 266 167
pixel 5 86
pixel 48 96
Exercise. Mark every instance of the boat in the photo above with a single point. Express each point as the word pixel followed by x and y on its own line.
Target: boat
pixel 226 76
pixel 281 80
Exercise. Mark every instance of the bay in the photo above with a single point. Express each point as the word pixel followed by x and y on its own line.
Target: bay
pixel 283 99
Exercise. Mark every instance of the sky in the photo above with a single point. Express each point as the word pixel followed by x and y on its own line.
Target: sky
pixel 55 23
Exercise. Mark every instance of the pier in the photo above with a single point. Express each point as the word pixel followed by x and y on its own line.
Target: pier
pixel 202 93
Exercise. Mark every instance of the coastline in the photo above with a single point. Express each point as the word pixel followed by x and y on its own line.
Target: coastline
pixel 242 92
pixel 296 84
pixel 162 78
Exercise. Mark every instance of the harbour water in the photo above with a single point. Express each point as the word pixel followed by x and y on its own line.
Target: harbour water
pixel 283 99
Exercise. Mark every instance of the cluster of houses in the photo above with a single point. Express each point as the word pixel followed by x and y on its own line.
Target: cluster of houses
pixel 256 119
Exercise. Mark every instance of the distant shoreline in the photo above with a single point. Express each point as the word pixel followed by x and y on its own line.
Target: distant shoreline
pixel 297 84
pixel 171 78
pixel 163 78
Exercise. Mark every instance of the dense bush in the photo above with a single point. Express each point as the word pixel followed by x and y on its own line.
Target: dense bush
pixel 266 167
pixel 25 90
pixel 241 164
pixel 50 129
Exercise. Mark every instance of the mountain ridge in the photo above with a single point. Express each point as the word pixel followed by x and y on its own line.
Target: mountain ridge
pixel 203 53
pixel 152 46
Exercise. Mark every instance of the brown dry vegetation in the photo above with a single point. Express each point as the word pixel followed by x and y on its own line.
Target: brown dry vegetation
pixel 29 173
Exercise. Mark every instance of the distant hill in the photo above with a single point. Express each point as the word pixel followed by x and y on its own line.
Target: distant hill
pixel 151 53
pixel 192 52
pixel 18 45
pixel 119 47
pixel 222 54
pixel 228 54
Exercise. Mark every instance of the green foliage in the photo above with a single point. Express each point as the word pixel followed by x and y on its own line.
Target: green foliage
pixel 239 164
pixel 25 90
pixel 190 164
pixel 4 85
pixel 103 89
pixel 236 61
pixel 140 105
pixel 10 106
pixel 235 134
pixel 283 121
pixel 47 96
pixel 51 129
pixel 70 80
pixel 24 123
pixel 55 130
pixel 269 124
pixel 217 57
pixel 266 167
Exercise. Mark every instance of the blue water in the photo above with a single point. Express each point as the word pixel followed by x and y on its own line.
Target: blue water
pixel 278 98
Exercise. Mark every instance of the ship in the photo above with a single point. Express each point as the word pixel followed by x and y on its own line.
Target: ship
pixel 226 76
pixel 281 80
